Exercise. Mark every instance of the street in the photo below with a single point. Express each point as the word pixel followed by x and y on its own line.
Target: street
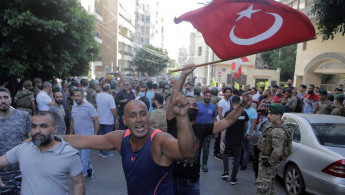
pixel 109 178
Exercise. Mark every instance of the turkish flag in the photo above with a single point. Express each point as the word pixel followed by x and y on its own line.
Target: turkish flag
pixel 236 66
pixel 235 28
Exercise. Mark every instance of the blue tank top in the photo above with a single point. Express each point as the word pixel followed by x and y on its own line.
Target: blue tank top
pixel 143 175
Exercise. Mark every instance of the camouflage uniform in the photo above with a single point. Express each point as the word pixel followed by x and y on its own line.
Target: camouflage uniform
pixel 13 131
pixel 36 91
pixel 215 100
pixel 198 98
pixel 91 96
pixel 338 110
pixel 24 99
pixel 69 106
pixel 271 145
pixel 158 119
pixel 325 107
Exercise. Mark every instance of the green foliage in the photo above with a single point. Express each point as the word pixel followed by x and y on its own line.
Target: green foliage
pixel 46 39
pixel 151 60
pixel 285 60
pixel 330 16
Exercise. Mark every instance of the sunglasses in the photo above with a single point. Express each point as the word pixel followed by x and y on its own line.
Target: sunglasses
pixel 126 85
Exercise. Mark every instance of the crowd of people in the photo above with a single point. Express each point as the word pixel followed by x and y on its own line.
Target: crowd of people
pixel 160 129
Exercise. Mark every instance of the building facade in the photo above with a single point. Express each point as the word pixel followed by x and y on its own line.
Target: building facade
pixel 200 53
pixel 318 62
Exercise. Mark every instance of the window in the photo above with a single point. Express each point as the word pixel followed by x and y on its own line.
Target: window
pixel 199 51
pixel 289 122
pixel 148 19
pixel 331 134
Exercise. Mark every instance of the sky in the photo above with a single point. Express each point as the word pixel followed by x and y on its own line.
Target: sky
pixel 177 35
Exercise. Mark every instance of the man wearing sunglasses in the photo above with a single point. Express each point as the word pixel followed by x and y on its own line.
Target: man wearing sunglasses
pixel 122 98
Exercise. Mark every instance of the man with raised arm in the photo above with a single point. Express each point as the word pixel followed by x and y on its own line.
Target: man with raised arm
pixel 187 171
pixel 147 153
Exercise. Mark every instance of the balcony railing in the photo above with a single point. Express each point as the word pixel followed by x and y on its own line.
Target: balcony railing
pixel 299 4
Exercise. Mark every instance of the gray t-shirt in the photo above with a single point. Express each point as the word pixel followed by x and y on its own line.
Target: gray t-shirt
pixel 13 130
pixel 60 118
pixel 292 101
pixel 47 172
pixel 82 117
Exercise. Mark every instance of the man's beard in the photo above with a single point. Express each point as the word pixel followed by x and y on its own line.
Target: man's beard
pixel 42 141
pixel 207 100
pixel 58 101
pixel 4 109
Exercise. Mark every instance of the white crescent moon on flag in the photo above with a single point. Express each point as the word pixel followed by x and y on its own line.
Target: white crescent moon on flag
pixel 263 36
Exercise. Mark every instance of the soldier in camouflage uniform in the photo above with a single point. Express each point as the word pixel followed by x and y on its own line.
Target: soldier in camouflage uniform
pixel 69 105
pixel 273 144
pixel 92 92
pixel 25 99
pixel 324 106
pixel 158 115
pixel 113 85
pixel 197 94
pixel 15 126
pixel 215 98
pixel 339 109
pixel 37 84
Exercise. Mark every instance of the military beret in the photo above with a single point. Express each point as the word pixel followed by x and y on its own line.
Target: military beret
pixel 323 91
pixel 276 108
pixel 339 96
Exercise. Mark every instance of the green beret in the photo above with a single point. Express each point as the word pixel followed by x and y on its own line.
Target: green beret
pixel 323 91
pixel 276 108
pixel 339 96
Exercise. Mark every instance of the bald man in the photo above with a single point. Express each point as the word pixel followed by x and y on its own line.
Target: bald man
pixel 147 153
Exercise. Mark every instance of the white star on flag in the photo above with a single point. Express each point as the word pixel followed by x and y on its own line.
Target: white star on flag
pixel 247 13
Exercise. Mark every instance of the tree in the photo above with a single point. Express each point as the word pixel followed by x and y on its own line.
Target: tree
pixel 151 60
pixel 47 39
pixel 330 16
pixel 284 58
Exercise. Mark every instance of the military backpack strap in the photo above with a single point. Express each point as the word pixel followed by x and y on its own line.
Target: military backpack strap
pixel 288 145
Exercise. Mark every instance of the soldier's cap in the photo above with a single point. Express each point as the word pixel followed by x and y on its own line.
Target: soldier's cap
pixel 276 108
pixel 167 95
pixel 323 91
pixel 27 83
pixel 339 96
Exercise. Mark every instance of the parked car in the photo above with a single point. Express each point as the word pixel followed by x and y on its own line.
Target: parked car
pixel 317 162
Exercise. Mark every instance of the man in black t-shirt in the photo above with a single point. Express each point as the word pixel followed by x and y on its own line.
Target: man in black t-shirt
pixel 187 172
pixel 122 98
pixel 234 136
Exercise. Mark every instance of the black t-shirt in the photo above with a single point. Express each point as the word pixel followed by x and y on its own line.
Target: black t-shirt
pixel 146 101
pixel 235 133
pixel 121 95
pixel 190 168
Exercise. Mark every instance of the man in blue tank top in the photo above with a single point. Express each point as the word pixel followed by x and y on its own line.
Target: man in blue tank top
pixel 147 153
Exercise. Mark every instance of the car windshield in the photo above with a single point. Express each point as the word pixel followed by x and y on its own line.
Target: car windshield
pixel 330 134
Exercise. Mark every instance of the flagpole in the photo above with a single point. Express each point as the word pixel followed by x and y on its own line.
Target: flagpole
pixel 199 65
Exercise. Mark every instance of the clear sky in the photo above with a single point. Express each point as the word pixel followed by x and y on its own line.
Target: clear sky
pixel 177 35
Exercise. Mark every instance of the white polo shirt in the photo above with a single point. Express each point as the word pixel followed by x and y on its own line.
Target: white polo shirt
pixel 43 100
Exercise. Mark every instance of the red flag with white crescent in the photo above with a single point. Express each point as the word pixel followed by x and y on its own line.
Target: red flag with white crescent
pixel 235 28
